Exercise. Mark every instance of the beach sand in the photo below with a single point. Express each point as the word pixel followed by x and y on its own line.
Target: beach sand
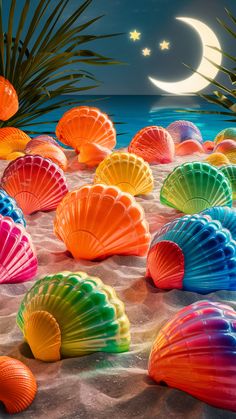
pixel 105 385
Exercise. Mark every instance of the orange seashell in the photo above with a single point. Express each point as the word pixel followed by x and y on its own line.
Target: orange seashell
pixel 208 146
pixel 52 152
pixel 154 144
pixel 12 140
pixel 217 159
pixel 188 147
pixel 85 124
pixel 17 385
pixel 92 154
pixel 9 104
pixel 14 155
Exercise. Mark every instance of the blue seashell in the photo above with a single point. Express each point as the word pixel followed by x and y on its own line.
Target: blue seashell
pixel 226 216
pixel 9 208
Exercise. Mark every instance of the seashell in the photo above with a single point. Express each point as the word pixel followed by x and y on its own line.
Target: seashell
pixel 85 124
pixel 230 172
pixel 12 140
pixel 127 171
pixel 72 314
pixel 18 261
pixel 52 152
pixel 92 154
pixel 36 183
pixel 14 155
pixel 188 147
pixel 227 133
pixel 226 216
pixel 154 144
pixel 193 253
pixel 195 352
pixel 9 208
pixel 228 148
pixel 98 221
pixel 8 100
pixel 17 385
pixel 217 159
pixel 38 141
pixel 208 146
pixel 184 130
pixel 193 187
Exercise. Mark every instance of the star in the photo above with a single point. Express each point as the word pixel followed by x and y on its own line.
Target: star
pixel 134 35
pixel 146 52
pixel 164 45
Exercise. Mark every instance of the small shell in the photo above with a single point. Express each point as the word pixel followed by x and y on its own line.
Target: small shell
pixel 17 385
pixel 188 147
pixel 127 171
pixel 9 208
pixel 52 152
pixel 184 130
pixel 217 159
pixel 12 141
pixel 195 352
pixel 92 154
pixel 39 140
pixel 227 133
pixel 230 172
pixel 154 144
pixel 9 104
pixel 208 146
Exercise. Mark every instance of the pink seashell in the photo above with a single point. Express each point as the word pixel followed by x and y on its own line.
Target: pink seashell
pixel 184 130
pixel 188 147
pixel 38 141
pixel 225 146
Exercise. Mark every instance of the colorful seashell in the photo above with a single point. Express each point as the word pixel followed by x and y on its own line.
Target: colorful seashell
pixel 98 221
pixel 228 147
pixel 18 261
pixel 17 385
pixel 195 352
pixel 230 172
pixel 127 171
pixel 52 152
pixel 208 146
pixel 184 130
pixel 9 104
pixel 227 133
pixel 86 124
pixel 193 253
pixel 188 147
pixel 38 141
pixel 193 187
pixel 9 208
pixel 36 183
pixel 92 154
pixel 12 141
pixel 217 159
pixel 226 216
pixel 72 314
pixel 154 144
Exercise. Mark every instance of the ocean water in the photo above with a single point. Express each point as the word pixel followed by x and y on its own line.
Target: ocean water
pixel 131 113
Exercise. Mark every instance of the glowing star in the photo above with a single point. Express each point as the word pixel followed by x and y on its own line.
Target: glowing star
pixel 164 45
pixel 146 52
pixel 134 35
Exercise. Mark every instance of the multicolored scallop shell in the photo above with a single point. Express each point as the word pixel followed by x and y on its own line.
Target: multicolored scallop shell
pixel 9 208
pixel 226 134
pixel 72 314
pixel 226 216
pixel 230 172
pixel 188 147
pixel 9 104
pixel 92 154
pixel 217 159
pixel 184 130
pixel 12 143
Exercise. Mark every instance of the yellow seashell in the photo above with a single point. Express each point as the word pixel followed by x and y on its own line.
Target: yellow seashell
pixel 127 171
pixel 217 159
pixel 14 155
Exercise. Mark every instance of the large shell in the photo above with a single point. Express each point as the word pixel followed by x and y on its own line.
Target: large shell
pixel 230 172
pixel 36 183
pixel 193 187
pixel 228 148
pixel 193 253
pixel 12 140
pixel 226 134
pixel 188 147
pixel 85 124
pixel 127 171
pixel 18 261
pixel 72 314
pixel 195 352
pixel 226 216
pixel 92 154
pixel 52 152
pixel 40 140
pixel 17 385
pixel 154 144
pixel 9 208
pixel 217 159
pixel 184 130
pixel 98 221
pixel 9 104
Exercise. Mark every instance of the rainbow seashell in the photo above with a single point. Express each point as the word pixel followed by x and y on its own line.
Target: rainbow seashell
pixel 9 104
pixel 226 216
pixel 188 147
pixel 9 208
pixel 18 261
pixel 228 147
pixel 217 159
pixel 193 187
pixel 230 172
pixel 92 154
pixel 17 385
pixel 193 253
pixel 12 142
pixel 184 130
pixel 195 352
pixel 227 133
pixel 85 124
pixel 52 152
pixel 127 171
pixel 36 183
pixel 154 144
pixel 72 314
pixel 208 146
pixel 98 221
pixel 38 141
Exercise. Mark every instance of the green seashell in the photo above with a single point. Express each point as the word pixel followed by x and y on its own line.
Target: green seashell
pixel 230 172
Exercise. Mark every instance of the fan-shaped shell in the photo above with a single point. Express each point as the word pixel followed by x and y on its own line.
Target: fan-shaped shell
pixel 18 261
pixel 98 221
pixel 193 187
pixel 17 385
pixel 226 216
pixel 9 208
pixel 9 104
pixel 230 172
pixel 85 124
pixel 36 183
pixel 208 146
pixel 38 141
pixel 12 140
pixel 73 314
pixel 188 147
pixel 193 253
pixel 217 159
pixel 154 144
pixel 195 352
pixel 227 133
pixel 92 154
pixel 52 152
pixel 127 171
pixel 184 130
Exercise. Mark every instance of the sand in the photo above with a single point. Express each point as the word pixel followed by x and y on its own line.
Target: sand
pixel 105 385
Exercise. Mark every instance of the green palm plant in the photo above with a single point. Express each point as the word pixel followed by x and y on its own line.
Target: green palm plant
pixel 49 62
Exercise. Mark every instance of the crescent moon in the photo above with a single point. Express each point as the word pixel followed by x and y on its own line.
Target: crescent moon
pixel 196 82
